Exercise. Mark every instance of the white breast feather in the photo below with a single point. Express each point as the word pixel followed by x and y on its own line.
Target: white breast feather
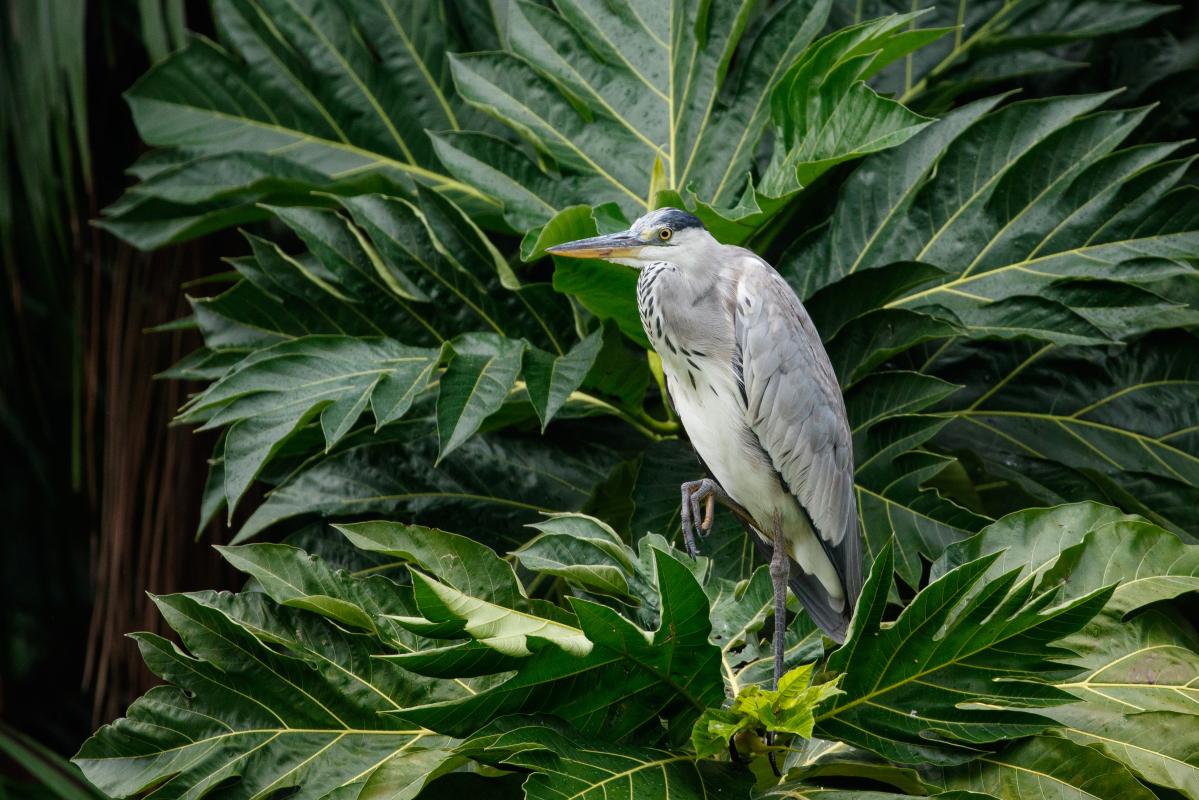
pixel 713 414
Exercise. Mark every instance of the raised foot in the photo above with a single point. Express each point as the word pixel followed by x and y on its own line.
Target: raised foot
pixel 706 492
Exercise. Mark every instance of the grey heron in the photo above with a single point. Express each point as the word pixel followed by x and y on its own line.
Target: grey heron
pixel 753 386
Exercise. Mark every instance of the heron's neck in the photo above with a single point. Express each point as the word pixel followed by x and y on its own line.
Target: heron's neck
pixel 684 309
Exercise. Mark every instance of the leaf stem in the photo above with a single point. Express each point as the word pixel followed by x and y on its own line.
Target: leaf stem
pixel 653 428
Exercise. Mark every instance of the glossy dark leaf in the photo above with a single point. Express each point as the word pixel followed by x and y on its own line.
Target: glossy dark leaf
pixel 1014 204
pixel 489 484
pixel 312 98
pixel 997 42
pixel 1126 419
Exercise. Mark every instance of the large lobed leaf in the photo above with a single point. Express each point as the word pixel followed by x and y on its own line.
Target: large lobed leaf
pixel 1122 431
pixel 321 331
pixel 640 108
pixel 314 96
pixel 1015 205
pixel 237 709
pixel 1138 673
pixel 924 689
pixel 492 483
pixel 1023 223
pixel 600 673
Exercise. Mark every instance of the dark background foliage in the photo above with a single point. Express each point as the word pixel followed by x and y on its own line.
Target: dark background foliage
pixel 100 495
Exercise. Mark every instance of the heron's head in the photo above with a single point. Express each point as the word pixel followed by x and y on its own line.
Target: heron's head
pixel 665 234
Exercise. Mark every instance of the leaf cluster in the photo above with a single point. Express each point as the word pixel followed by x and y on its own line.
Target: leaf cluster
pixel 1006 288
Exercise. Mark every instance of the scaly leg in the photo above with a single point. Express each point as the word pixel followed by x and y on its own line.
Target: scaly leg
pixel 707 492
pixel 780 572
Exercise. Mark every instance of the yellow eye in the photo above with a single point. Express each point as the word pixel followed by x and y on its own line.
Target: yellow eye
pixel 665 234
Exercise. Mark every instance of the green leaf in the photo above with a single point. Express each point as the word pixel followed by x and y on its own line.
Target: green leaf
pixel 787 709
pixel 462 563
pixel 890 471
pixel 566 764
pixel 551 379
pixel 1127 427
pixel 1151 564
pixel 530 196
pixel 924 689
pixel 432 251
pixel 274 391
pixel 611 676
pixel 1047 767
pixel 614 96
pixel 584 551
pixel 824 113
pixel 1146 663
pixel 997 41
pixel 312 99
pixel 1032 541
pixel 492 483
pixel 482 371
pixel 1083 546
pixel 239 710
pixel 1159 746
pixel 819 760
pixel 506 630
pixel 294 578
pixel 805 791
pixel 606 290
pixel 1013 203
pixel 1140 682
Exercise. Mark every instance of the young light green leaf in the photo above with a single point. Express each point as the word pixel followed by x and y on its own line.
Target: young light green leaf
pixel 788 709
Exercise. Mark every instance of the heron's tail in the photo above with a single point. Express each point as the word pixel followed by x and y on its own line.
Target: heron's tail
pixel 812 596
pixel 819 605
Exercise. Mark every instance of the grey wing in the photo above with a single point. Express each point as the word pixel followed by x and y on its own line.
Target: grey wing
pixel 794 406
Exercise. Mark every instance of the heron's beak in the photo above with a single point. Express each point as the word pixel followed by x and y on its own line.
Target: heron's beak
pixel 612 245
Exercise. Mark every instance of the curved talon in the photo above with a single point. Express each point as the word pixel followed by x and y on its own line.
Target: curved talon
pixel 709 514
pixel 698 521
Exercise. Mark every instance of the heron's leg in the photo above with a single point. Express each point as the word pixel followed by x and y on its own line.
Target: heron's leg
pixel 780 572
pixel 707 492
